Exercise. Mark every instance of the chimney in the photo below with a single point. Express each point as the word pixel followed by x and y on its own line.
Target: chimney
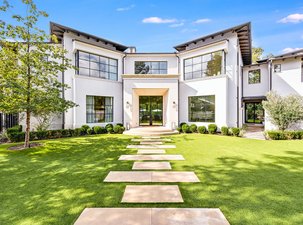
pixel 132 49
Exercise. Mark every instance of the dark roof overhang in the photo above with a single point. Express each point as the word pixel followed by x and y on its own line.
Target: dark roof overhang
pixel 59 31
pixel 244 35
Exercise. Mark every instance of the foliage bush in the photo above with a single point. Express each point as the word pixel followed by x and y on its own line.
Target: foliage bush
pixel 108 126
pixel 90 131
pixel 100 130
pixel 284 135
pixel 202 129
pixel 77 132
pixel 181 124
pixel 110 130
pixel 118 129
pixel 193 128
pixel 185 128
pixel 16 136
pixel 235 131
pixel 84 129
pixel 224 131
pixel 14 129
pixel 179 129
pixel 212 128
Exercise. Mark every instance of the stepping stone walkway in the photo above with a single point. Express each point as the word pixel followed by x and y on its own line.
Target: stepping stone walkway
pixel 152 176
pixel 150 149
pixel 151 146
pixel 152 194
pixel 151 166
pixel 151 157
pixel 151 216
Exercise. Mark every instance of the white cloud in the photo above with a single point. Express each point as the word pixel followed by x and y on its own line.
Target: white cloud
pixel 187 30
pixel 292 18
pixel 125 8
pixel 158 20
pixel 287 50
pixel 205 20
pixel 177 25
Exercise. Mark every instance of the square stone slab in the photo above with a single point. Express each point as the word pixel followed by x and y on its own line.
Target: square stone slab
pixel 151 143
pixel 151 157
pixel 151 166
pixel 189 216
pixel 128 176
pixel 151 139
pixel 151 146
pixel 152 194
pixel 114 216
pixel 151 216
pixel 144 176
pixel 151 151
pixel 173 176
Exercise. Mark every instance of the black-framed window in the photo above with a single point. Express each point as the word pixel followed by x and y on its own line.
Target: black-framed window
pixel 204 65
pixel 150 67
pixel 277 68
pixel 93 65
pixel 201 108
pixel 254 112
pixel 254 76
pixel 99 109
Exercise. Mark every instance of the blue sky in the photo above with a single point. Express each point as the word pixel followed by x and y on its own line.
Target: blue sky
pixel 157 26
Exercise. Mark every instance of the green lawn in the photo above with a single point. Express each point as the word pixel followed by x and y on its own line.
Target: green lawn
pixel 251 181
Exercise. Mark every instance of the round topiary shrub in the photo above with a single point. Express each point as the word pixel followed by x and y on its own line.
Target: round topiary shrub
pixel 90 131
pixel 212 128
pixel 181 124
pixel 224 131
pixel 118 129
pixel 193 128
pixel 202 129
pixel 185 128
pixel 179 129
pixel 110 130
pixel 109 126
pixel 235 131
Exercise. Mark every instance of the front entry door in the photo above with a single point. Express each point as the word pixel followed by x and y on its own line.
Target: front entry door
pixel 150 110
pixel 254 112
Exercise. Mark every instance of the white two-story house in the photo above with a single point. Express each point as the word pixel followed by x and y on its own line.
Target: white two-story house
pixel 207 80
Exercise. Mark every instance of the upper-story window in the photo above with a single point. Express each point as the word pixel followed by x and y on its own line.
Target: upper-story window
pixel 277 68
pixel 254 76
pixel 144 67
pixel 204 65
pixel 93 65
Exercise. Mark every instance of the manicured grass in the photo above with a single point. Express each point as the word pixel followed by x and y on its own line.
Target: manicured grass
pixel 251 181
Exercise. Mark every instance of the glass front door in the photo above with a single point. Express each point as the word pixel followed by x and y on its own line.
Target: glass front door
pixel 254 112
pixel 150 110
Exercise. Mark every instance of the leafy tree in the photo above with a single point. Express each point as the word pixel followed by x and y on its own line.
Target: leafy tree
pixel 29 67
pixel 284 111
pixel 257 54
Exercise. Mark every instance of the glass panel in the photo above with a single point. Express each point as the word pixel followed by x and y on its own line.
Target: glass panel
pixel 197 74
pixel 112 69
pixel 197 67
pixel 113 62
pixel 254 112
pixel 83 71
pixel 113 76
pixel 103 75
pixel 103 60
pixel 83 63
pixel 201 108
pixel 94 73
pixel 94 58
pixel 94 66
pixel 83 55
pixel 206 57
pixel 188 62
pixel 254 76
pixel 188 76
pixel 151 110
pixel 99 109
pixel 197 60
pixel 163 65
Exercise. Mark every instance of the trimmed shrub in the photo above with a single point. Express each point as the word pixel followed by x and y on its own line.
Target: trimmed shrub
pixel 109 125
pixel 41 134
pixel 275 135
pixel 84 129
pixel 16 136
pixel 110 130
pixel 118 129
pixel 179 129
pixel 14 129
pixel 202 129
pixel 77 132
pixel 120 124
pixel 212 128
pixel 90 131
pixel 193 128
pixel 185 128
pixel 66 133
pixel 224 131
pixel 100 130
pixel 235 131
pixel 181 124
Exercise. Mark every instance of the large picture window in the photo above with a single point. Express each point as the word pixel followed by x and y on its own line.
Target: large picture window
pixel 254 76
pixel 143 67
pixel 203 66
pixel 99 109
pixel 201 108
pixel 97 66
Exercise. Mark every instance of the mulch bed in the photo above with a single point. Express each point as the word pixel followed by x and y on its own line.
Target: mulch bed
pixel 21 147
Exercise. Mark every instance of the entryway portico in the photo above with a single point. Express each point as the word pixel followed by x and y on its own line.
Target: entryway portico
pixel 150 100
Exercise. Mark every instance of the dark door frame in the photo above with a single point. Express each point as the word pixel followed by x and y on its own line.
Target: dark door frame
pixel 245 112
pixel 150 111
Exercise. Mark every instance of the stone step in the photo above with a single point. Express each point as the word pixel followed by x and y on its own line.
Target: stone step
pixel 151 151
pixel 151 157
pixel 151 166
pixel 151 139
pixel 151 146
pixel 151 176
pixel 152 194
pixel 151 143
pixel 151 216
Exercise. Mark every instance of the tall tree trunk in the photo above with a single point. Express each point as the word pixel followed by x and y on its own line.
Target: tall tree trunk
pixel 27 130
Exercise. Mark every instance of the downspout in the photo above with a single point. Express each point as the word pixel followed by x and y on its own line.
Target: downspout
pixel 123 72
pixel 178 89
pixel 238 76
pixel 270 74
